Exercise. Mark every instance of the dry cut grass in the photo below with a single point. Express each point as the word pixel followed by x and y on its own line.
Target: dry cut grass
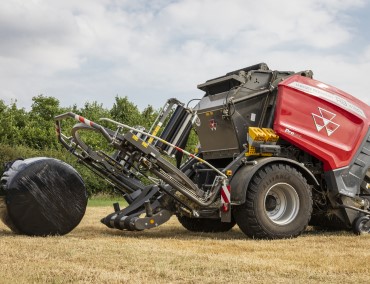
pixel 93 253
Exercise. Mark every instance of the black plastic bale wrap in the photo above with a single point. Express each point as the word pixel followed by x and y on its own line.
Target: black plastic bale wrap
pixel 42 196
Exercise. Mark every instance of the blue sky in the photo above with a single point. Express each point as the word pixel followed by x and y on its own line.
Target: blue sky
pixel 93 50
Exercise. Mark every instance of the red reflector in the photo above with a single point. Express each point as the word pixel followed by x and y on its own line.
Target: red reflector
pixel 225 207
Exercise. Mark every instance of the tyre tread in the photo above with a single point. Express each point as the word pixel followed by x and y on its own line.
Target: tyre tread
pixel 245 214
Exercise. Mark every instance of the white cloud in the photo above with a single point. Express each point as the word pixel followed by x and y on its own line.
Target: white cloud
pixel 82 51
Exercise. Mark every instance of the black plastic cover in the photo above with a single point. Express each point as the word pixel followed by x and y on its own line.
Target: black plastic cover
pixel 44 196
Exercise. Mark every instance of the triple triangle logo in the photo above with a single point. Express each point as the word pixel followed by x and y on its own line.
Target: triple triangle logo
pixel 325 120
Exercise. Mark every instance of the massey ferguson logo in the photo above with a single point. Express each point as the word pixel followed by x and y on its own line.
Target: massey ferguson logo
pixel 325 120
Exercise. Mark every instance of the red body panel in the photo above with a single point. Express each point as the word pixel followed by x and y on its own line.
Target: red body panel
pixel 321 120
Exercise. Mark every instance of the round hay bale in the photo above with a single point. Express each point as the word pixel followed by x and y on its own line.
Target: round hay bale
pixel 43 196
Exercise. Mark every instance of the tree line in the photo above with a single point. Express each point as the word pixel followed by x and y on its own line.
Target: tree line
pixel 25 134
pixel 35 128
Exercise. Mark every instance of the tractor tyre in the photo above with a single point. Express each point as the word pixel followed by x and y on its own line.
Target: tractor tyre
pixel 278 204
pixel 205 225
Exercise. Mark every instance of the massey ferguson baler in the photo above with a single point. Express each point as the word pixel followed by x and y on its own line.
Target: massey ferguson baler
pixel 277 151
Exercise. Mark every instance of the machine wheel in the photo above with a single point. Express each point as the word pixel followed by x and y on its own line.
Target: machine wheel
pixel 361 225
pixel 205 225
pixel 278 204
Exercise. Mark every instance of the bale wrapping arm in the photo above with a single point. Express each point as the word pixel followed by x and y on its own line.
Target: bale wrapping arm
pixel 136 157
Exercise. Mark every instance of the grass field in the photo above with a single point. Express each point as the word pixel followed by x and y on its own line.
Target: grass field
pixel 105 201
pixel 92 253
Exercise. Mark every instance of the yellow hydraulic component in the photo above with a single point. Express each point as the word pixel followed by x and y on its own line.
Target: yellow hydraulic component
pixel 258 136
pixel 271 136
pixel 154 133
pixel 251 151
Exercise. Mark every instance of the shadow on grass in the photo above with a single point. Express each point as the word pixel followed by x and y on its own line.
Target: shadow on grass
pixel 5 232
pixel 171 231
pixel 177 232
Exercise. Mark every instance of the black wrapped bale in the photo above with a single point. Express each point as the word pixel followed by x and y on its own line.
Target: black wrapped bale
pixel 43 196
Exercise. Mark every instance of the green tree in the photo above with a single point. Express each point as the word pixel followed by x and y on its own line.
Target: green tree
pixel 94 111
pixel 39 131
pixel 149 114
pixel 3 107
pixel 44 108
pixel 126 112
pixel 12 122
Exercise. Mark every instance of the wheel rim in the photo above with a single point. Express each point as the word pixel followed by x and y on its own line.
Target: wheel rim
pixel 363 226
pixel 281 203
